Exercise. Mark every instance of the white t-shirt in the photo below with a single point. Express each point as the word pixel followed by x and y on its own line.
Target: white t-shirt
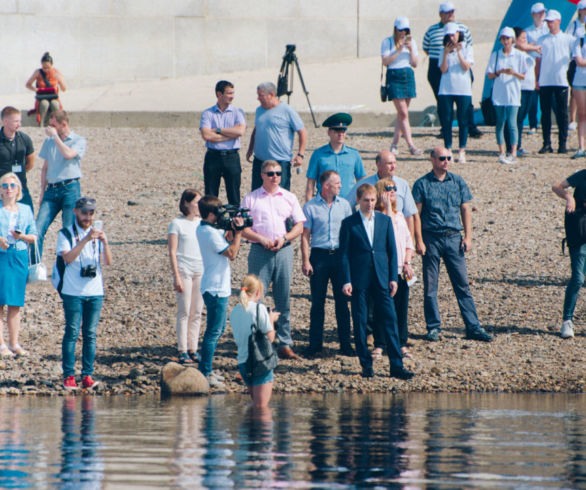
pixel 529 82
pixel 456 81
pixel 403 60
pixel 506 90
pixel 534 34
pixel 555 58
pixel 580 78
pixel 216 273
pixel 575 29
pixel 73 283
pixel 241 321
pixel 188 255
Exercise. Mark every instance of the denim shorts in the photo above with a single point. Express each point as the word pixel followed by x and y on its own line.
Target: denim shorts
pixel 267 378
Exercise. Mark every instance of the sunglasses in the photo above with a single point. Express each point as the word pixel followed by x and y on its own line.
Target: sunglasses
pixel 444 158
pixel 272 174
pixel 12 185
pixel 391 188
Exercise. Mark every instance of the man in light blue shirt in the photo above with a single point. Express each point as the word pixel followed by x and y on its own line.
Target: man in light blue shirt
pixel 346 161
pixel 272 138
pixel 324 214
pixel 60 189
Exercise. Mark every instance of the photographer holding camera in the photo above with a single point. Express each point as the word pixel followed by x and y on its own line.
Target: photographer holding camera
pixel 216 287
pixel 84 249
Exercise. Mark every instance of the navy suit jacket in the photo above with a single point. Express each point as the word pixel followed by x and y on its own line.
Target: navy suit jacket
pixel 362 263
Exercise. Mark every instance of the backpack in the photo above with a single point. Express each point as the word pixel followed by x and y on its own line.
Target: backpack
pixel 262 356
pixel 59 265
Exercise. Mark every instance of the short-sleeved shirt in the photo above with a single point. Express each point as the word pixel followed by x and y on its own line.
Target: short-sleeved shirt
pixel 216 273
pixel 73 283
pixel 578 182
pixel 529 82
pixel 441 201
pixel 188 255
pixel 275 131
pixel 59 168
pixel 13 154
pixel 388 48
pixel 575 29
pixel 534 34
pixel 325 221
pixel 580 77
pixel 434 37
pixel 506 90
pixel 270 211
pixel 405 202
pixel 213 118
pixel 456 81
pixel 556 52
pixel 347 163
pixel 241 321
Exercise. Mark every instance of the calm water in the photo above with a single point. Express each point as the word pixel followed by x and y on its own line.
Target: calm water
pixel 333 441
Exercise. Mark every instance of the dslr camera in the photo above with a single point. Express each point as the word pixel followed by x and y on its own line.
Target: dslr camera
pixel 226 215
pixel 88 271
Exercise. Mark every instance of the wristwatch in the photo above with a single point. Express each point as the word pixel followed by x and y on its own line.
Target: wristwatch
pixel 301 155
pixel 218 130
pixel 285 240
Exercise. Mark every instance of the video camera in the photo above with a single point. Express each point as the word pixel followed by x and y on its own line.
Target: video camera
pixel 228 212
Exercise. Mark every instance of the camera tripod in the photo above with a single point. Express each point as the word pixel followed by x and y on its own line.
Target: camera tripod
pixel 285 84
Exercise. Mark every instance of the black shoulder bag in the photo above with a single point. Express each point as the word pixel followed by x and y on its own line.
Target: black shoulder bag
pixel 262 356
pixel 49 93
pixel 487 106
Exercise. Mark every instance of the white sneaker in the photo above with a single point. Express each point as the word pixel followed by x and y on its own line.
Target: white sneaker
pixel 218 376
pixel 214 382
pixel 567 329
pixel 503 159
pixel 572 126
pixel 462 156
pixel 394 150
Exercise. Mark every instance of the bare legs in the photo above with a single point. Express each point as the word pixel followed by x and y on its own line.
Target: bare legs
pixel 402 126
pixel 261 394
pixel 13 322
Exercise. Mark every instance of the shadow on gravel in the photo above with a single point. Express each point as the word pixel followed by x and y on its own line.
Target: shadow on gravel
pixel 524 281
pixel 162 241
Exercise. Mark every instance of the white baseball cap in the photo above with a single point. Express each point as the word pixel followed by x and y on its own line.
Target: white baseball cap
pixel 507 32
pixel 581 5
pixel 450 28
pixel 402 23
pixel 447 7
pixel 537 8
pixel 553 15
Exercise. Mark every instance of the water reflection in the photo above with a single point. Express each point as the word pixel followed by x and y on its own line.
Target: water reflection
pixel 330 441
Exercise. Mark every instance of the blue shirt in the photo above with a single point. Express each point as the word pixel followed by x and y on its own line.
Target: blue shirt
pixel 59 168
pixel 214 118
pixel 325 221
pixel 347 163
pixel 441 201
pixel 275 131
pixel 24 222
pixel 405 202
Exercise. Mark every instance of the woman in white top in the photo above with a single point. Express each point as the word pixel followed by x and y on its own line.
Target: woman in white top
pixel 579 88
pixel 507 67
pixel 187 268
pixel 455 61
pixel 399 55
pixel 241 319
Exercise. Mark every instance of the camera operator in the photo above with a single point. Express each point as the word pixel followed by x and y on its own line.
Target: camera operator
pixel 216 287
pixel 84 252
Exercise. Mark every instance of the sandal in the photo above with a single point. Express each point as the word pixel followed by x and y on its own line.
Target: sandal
pixel 394 150
pixel 184 358
pixel 18 350
pixel 415 151
pixel 194 356
pixel 5 351
pixel 405 353
pixel 377 354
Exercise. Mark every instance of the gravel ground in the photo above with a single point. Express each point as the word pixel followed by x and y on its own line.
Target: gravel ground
pixel 517 275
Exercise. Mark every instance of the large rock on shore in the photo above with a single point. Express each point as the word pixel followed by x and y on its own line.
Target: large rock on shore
pixel 180 380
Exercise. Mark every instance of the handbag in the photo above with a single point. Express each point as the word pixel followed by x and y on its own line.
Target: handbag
pixel 487 106
pixel 262 356
pixel 383 88
pixel 36 272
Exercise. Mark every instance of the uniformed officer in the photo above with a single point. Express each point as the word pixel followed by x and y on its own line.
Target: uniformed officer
pixel 336 156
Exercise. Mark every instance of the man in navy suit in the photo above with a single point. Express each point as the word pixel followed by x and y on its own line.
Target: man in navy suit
pixel 369 261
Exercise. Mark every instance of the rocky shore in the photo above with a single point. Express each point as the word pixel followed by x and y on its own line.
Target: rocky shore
pixel 517 274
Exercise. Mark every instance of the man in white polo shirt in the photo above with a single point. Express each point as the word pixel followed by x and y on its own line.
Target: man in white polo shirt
pixel 551 70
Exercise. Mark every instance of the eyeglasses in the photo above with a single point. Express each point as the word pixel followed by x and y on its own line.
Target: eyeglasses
pixel 444 158
pixel 390 188
pixel 272 174
pixel 11 185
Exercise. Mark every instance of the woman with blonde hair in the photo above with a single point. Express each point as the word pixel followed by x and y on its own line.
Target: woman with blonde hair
pixel 242 317
pixel 386 191
pixel 17 230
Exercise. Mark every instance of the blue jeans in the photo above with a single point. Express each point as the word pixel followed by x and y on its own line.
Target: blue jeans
pixel 446 110
pixel 217 313
pixel 84 312
pixel 56 199
pixel 578 262
pixel 506 114
pixel 447 248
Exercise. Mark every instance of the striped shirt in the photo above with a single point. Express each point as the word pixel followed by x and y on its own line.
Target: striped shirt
pixel 434 36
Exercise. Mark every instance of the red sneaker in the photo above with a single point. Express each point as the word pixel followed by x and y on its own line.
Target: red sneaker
pixel 70 384
pixel 88 383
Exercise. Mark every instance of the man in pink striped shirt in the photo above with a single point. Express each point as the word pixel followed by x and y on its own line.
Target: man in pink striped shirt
pixel 277 221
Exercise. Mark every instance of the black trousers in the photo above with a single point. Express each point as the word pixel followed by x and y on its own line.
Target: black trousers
pixel 218 164
pixel 556 98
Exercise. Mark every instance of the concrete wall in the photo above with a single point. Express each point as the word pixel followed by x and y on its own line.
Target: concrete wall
pixel 97 42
